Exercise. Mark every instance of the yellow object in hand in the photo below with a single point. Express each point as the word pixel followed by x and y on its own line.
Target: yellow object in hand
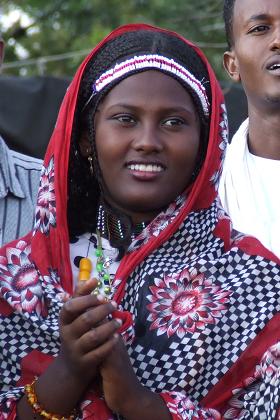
pixel 85 268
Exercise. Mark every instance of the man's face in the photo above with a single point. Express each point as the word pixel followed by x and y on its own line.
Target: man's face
pixel 255 56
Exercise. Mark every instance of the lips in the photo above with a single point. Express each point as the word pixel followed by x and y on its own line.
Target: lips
pixel 146 167
pixel 273 63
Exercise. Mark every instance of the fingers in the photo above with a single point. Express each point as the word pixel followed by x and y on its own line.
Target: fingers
pixel 97 337
pixel 87 331
pixel 92 318
pixel 98 355
pixel 79 305
pixel 85 287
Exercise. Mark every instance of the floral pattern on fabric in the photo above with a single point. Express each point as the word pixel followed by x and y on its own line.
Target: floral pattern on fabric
pixel 45 215
pixel 185 302
pixel 19 279
pixel 243 398
pixel 21 285
pixel 271 363
pixel 158 224
pixel 53 286
pixel 185 409
pixel 223 135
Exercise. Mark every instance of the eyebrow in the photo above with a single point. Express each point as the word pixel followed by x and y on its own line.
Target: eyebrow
pixel 261 16
pixel 171 108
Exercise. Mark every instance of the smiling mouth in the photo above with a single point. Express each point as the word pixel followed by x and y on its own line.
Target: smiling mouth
pixel 141 167
pixel 274 67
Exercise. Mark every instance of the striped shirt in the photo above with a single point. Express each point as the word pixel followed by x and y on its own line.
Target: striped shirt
pixel 19 182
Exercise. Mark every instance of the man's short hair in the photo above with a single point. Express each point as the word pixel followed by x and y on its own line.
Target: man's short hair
pixel 228 20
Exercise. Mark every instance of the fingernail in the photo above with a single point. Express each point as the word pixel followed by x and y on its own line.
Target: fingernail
pixel 67 304
pixel 100 297
pixel 114 303
pixel 119 321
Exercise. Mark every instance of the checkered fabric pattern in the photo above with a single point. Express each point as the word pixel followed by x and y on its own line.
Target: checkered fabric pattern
pixel 20 337
pixel 240 294
pixel 194 363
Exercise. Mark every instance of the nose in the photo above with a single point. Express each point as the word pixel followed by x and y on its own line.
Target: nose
pixel 275 43
pixel 148 139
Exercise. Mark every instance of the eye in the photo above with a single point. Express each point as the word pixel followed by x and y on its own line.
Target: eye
pixel 124 119
pixel 174 122
pixel 259 29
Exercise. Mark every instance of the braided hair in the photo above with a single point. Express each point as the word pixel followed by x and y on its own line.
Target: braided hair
pixel 87 191
pixel 228 21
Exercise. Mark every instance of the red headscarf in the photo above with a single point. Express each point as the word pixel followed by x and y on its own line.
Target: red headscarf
pixel 56 245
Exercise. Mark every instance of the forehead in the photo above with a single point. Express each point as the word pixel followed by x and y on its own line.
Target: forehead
pixel 246 10
pixel 151 85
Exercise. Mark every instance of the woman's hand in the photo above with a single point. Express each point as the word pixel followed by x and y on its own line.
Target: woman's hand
pixel 87 335
pixel 118 377
pixel 123 392
pixel 87 338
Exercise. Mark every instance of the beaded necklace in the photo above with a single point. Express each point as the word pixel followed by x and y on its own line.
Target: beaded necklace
pixel 104 285
pixel 102 267
pixel 104 229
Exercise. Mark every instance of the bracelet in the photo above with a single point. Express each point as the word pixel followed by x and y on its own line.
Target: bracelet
pixel 38 409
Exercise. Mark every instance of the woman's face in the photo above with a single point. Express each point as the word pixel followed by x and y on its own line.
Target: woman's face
pixel 147 140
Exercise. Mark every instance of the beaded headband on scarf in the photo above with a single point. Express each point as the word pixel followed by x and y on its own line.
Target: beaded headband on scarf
pixel 152 61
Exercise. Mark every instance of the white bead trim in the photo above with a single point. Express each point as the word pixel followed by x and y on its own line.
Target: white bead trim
pixel 154 61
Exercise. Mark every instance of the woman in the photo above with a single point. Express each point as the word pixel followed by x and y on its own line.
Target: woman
pixel 141 134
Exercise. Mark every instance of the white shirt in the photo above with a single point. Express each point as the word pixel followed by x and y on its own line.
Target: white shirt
pixel 249 192
pixel 85 246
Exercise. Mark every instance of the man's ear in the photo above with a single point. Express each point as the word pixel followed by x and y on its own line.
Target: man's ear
pixel 231 65
pixel 85 147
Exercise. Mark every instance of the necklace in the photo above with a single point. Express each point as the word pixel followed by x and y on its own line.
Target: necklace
pixel 107 227
pixel 104 284
pixel 102 265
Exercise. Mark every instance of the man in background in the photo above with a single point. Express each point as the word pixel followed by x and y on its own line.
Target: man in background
pixel 249 186
pixel 19 182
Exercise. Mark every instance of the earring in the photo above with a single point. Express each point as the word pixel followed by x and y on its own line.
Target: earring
pixel 90 161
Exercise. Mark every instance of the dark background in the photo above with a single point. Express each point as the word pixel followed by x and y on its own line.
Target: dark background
pixel 29 107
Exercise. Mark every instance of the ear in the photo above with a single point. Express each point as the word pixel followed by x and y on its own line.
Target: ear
pixel 231 65
pixel 85 147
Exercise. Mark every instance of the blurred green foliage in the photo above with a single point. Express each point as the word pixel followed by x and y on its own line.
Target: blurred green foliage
pixel 57 34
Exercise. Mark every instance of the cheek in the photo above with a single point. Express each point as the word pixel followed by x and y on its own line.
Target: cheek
pixel 187 151
pixel 248 65
pixel 110 143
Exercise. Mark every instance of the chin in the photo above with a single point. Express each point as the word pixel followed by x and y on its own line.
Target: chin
pixel 144 207
pixel 148 209
pixel 273 100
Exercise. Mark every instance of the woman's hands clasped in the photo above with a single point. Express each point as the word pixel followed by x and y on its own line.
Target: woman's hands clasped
pixel 87 333
pixel 87 336
pixel 92 353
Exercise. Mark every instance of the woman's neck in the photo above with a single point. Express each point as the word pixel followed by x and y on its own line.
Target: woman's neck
pixel 113 227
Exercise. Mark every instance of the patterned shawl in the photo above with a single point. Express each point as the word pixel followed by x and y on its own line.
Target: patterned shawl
pixel 203 300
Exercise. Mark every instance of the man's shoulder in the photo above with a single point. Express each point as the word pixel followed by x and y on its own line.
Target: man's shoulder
pixel 15 159
pixel 25 161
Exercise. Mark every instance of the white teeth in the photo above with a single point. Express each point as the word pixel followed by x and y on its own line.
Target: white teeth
pixel 274 67
pixel 145 168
